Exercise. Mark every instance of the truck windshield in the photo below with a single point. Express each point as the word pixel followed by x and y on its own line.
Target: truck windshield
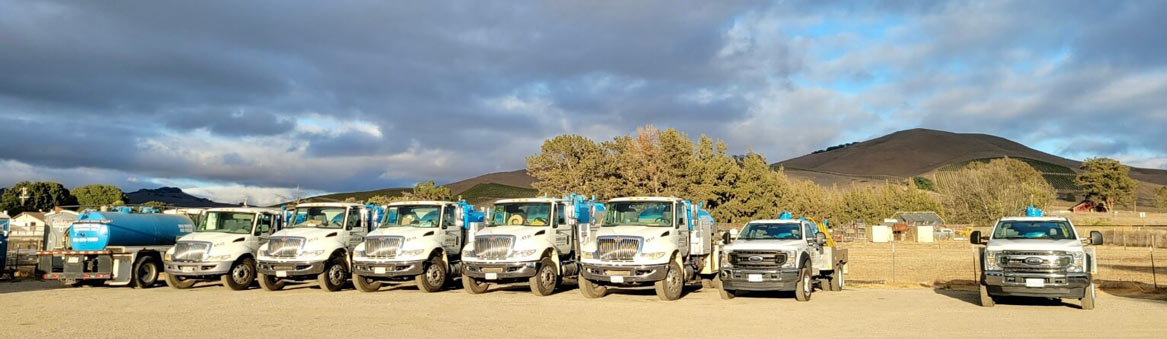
pixel 319 217
pixel 520 214
pixel 1055 230
pixel 784 231
pixel 412 216
pixel 639 213
pixel 227 222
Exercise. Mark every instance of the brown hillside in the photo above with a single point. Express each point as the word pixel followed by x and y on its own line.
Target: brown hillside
pixel 517 178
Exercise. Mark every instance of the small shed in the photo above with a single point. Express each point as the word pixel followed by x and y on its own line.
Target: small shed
pixel 918 226
pixel 1087 206
pixel 58 221
pixel 27 223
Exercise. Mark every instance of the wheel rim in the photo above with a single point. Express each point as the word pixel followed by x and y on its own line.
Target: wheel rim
pixel 241 274
pixel 145 272
pixel 841 279
pixel 336 275
pixel 806 283
pixel 674 281
pixel 433 275
pixel 547 278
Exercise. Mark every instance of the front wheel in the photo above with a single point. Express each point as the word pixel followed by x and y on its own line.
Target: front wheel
pixel 544 281
pixel 332 279
pixel 271 283
pixel 474 286
pixel 590 289
pixel 986 299
pixel 1088 298
pixel 365 284
pixel 145 272
pixel 671 287
pixel 805 286
pixel 725 294
pixel 179 282
pixel 241 275
pixel 433 277
pixel 837 278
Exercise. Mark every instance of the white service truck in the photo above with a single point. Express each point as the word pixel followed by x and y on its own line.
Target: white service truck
pixel 535 239
pixel 316 245
pixel 222 247
pixel 664 241
pixel 781 254
pixel 1036 256
pixel 417 240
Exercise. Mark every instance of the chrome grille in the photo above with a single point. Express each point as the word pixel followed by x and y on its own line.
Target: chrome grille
pixel 284 247
pixel 618 248
pixel 1035 261
pixel 493 247
pixel 191 250
pixel 757 258
pixel 383 247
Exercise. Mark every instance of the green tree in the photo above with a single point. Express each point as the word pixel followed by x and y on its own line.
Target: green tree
pixel 426 190
pixel 379 200
pixel 156 204
pixel 99 195
pixel 758 191
pixel 1107 181
pixel 1161 198
pixel 714 176
pixel 980 193
pixel 38 196
pixel 570 164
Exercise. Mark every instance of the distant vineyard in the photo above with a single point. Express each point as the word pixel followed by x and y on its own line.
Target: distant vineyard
pixel 1040 166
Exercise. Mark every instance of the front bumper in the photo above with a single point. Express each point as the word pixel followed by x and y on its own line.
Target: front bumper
pixel 625 273
pixel 500 270
pixel 744 279
pixel 389 269
pixel 284 269
pixel 1025 284
pixel 194 268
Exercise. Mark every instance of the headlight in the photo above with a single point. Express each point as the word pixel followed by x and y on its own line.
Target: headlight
pixel 992 260
pixel 1079 262
pixel 725 259
pixel 653 255
pixel 219 258
pixel 312 253
pixel 166 256
pixel 523 253
pixel 791 260
pixel 410 253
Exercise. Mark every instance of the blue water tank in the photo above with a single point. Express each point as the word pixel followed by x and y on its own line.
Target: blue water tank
pixel 94 231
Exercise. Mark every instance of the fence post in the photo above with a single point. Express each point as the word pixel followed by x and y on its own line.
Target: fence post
pixel 893 260
pixel 1154 276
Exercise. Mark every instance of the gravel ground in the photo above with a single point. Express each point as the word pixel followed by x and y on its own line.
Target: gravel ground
pixel 45 309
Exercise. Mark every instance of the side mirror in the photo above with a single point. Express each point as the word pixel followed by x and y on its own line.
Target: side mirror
pixel 1095 238
pixel 820 238
pixel 726 238
pixel 975 237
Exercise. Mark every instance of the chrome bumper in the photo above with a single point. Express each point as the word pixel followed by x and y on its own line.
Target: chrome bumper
pixel 389 269
pixel 625 273
pixel 290 268
pixel 507 270
pixel 195 268
pixel 1053 285
pixel 764 279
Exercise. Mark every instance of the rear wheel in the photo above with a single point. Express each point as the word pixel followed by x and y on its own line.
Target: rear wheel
pixel 591 290
pixel 805 285
pixel 837 278
pixel 1088 298
pixel 365 284
pixel 671 287
pixel 145 273
pixel 271 283
pixel 545 279
pixel 986 299
pixel 433 277
pixel 332 279
pixel 178 282
pixel 241 275
pixel 474 286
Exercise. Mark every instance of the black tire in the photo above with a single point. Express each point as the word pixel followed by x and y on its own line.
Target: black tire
pixel 334 275
pixel 145 272
pixel 592 290
pixel 1088 297
pixel 546 278
pixel 433 275
pixel 725 294
pixel 837 279
pixel 179 282
pixel 671 287
pixel 474 286
pixel 805 286
pixel 241 275
pixel 986 299
pixel 271 283
pixel 365 284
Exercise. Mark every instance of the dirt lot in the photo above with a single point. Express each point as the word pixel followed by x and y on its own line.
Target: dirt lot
pixel 42 309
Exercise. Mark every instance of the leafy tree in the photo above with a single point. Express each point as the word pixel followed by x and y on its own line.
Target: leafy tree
pixel 980 193
pixel 426 190
pixel 714 177
pixel 157 204
pixel 570 164
pixel 1107 181
pixel 99 195
pixel 41 196
pixel 379 200
pixel 1161 197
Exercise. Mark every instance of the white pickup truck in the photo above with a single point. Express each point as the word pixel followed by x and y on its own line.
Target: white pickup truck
pixel 783 254
pixel 316 245
pixel 1036 256
pixel 417 240
pixel 222 247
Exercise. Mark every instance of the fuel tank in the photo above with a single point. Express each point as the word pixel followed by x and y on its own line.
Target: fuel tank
pixel 94 231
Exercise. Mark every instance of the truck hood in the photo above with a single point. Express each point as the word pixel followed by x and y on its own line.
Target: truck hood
pixel 405 232
pixel 217 238
pixel 517 231
pixel 767 244
pixel 646 232
pixel 307 232
pixel 1034 245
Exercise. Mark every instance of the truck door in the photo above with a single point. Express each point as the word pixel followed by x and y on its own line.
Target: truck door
pixel 682 227
pixel 451 233
pixel 562 229
pixel 264 226
pixel 356 226
pixel 816 250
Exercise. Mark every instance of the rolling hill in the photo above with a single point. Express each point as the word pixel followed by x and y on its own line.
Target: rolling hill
pixel 476 190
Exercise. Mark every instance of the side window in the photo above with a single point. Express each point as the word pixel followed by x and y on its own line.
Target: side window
pixel 448 218
pixel 264 224
pixel 561 215
pixel 807 230
pixel 354 219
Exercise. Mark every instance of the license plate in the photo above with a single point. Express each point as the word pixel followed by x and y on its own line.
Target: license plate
pixel 492 276
pixel 1034 282
pixel 618 279
pixel 755 278
pixel 282 274
pixel 188 269
pixel 74 260
pixel 379 270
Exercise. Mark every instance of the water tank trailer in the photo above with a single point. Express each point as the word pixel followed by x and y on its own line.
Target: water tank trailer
pixel 122 247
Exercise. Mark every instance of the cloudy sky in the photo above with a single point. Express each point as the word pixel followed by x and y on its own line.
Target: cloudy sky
pixel 231 99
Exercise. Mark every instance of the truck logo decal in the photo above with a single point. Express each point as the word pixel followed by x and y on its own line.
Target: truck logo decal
pixel 1034 261
pixel 755 258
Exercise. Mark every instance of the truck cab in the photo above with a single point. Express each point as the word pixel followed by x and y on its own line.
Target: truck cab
pixel 533 239
pixel 316 244
pixel 781 254
pixel 1036 256
pixel 222 247
pixel 417 240
pixel 664 241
